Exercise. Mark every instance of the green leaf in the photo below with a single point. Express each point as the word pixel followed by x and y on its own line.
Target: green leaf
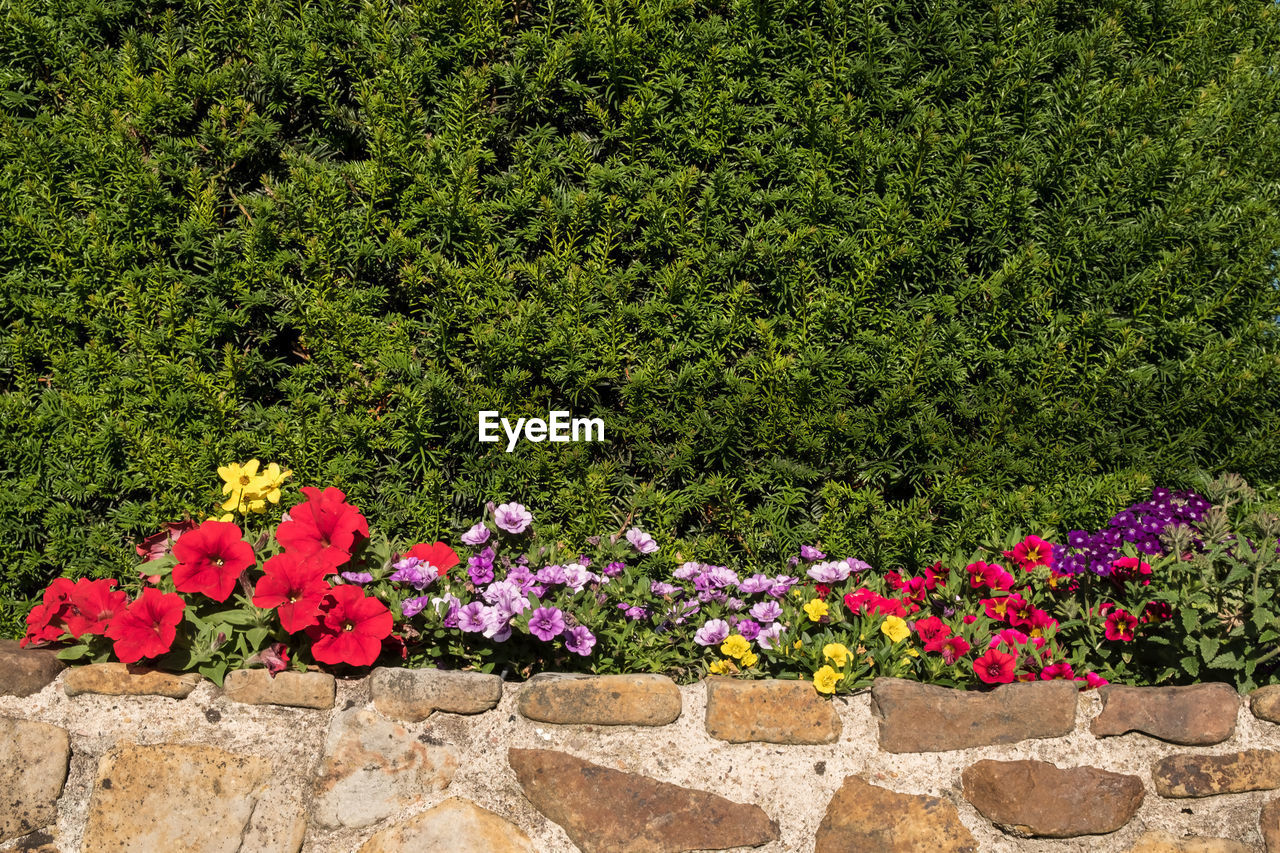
pixel 1190 665
pixel 1208 648
pixel 73 652
pixel 1190 619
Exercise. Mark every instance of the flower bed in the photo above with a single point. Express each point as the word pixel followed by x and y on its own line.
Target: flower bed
pixel 1174 589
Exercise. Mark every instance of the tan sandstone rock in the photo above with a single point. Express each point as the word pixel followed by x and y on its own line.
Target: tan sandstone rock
pixel 862 816
pixel 33 769
pixel 1156 841
pixel 413 694
pixel 769 711
pixel 1195 714
pixel 120 679
pixel 1036 798
pixel 1192 775
pixel 26 671
pixel 454 826
pixel 294 689
pixel 601 700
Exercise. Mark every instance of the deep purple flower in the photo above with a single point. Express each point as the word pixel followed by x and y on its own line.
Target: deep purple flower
pixel 614 569
pixel 546 623
pixel 513 518
pixel 748 629
pixel 641 541
pixel 413 606
pixel 766 611
pixel 358 577
pixel 480 567
pixel 477 535
pixel 579 640
pixel 713 633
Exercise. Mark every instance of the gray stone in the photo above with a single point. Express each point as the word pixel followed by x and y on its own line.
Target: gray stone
pixel 1195 714
pixel 413 694
pixel 26 671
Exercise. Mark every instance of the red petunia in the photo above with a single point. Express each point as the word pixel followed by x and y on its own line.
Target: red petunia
pixel 93 605
pixel 932 628
pixel 323 527
pixel 989 575
pixel 210 559
pixel 295 587
pixel 1131 568
pixel 47 621
pixel 1157 611
pixel 1038 623
pixel 951 648
pixel 437 555
pixel 1120 624
pixel 1031 552
pixel 1060 670
pixel 147 627
pixel 999 608
pixel 352 627
pixel 160 544
pixel 995 667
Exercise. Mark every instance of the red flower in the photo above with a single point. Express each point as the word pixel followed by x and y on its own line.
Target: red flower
pixel 352 627
pixel 324 526
pixel 1157 611
pixel 93 605
pixel 1010 637
pixel 935 574
pixel 1131 568
pixel 210 559
pixel 1039 623
pixel 995 667
pixel 47 621
pixel 932 628
pixel 437 555
pixel 295 587
pixel 998 608
pixel 160 544
pixel 821 590
pixel 970 618
pixel 989 575
pixel 951 648
pixel 146 628
pixel 1031 552
pixel 1060 670
pixel 1120 625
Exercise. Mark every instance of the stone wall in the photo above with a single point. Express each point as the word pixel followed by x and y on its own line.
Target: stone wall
pixel 108 758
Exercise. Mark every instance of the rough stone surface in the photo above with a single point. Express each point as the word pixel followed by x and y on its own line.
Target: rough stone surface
pixel 1036 798
pixel 1156 841
pixel 197 799
pixel 26 671
pixel 862 816
pixel 918 717
pixel 1205 775
pixel 454 826
pixel 412 694
pixel 601 700
pixel 1269 823
pixel 33 768
pixel 295 689
pixel 1265 703
pixel 119 679
pixel 1197 714
pixel 772 711
pixel 372 768
pixel 608 811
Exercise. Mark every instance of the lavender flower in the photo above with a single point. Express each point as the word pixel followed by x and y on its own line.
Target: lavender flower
pixel 477 535
pixel 713 633
pixel 358 577
pixel 546 623
pixel 735 603
pixel 782 585
pixel 641 541
pixel 856 565
pixel 576 576
pixel 411 607
pixel 662 589
pixel 497 624
pixel 412 571
pixel 452 607
pixel 551 574
pixel 687 571
pixel 506 595
pixel 471 617
pixel 769 634
pixel 832 572
pixel 633 612
pixel 579 640
pixel 513 518
pixel 757 583
pixel 766 611
pixel 808 552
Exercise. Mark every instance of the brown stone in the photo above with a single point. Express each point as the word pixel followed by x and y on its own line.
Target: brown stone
pixel 26 671
pixel 33 769
pixel 413 694
pixel 1196 715
pixel 294 689
pixel 372 768
pixel 600 700
pixel 1265 703
pixel 454 826
pixel 119 679
pixel 918 717
pixel 1205 775
pixel 862 816
pixel 1035 798
pixel 1156 841
pixel 198 799
pixel 771 711
pixel 608 811
pixel 1269 823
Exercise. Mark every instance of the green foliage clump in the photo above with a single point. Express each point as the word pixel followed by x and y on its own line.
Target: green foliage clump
pixel 899 274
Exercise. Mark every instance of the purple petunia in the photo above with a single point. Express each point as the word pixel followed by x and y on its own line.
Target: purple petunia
pixel 477 535
pixel 748 629
pixel 687 571
pixel 633 612
pixel 551 574
pixel 769 635
pixel 660 588
pixel 641 541
pixel 766 611
pixel 414 572
pixel 546 623
pixel 413 606
pixel 782 585
pixel 579 640
pixel 513 518
pixel 713 633
pixel 576 576
pixel 480 567
pixel 808 552
pixel 471 617
pixel 357 577
pixel 614 569
pixel 757 583
pixel 834 571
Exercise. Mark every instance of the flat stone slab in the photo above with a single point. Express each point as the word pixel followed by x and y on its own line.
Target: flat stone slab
pixel 1156 841
pixel 600 700
pixel 293 689
pixel 609 811
pixel 1189 775
pixel 120 679
pixel 454 826
pixel 918 717
pixel 1036 798
pixel 769 711
pixel 372 768
pixel 413 694
pixel 1269 823
pixel 26 671
pixel 197 799
pixel 1195 715
pixel 862 816
pixel 33 768
pixel 1265 703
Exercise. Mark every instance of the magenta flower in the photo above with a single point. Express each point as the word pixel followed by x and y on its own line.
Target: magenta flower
pixel 579 640
pixel 477 535
pixel 546 623
pixel 513 518
pixel 641 541
pixel 713 633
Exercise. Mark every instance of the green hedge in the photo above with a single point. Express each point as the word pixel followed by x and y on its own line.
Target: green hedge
pixel 896 274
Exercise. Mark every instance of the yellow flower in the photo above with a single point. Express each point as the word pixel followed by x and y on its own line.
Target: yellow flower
pixel 735 646
pixel 749 659
pixel 722 667
pixel 798 644
pixel 895 628
pixel 238 485
pixel 836 653
pixel 267 485
pixel 817 608
pixel 913 652
pixel 825 680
